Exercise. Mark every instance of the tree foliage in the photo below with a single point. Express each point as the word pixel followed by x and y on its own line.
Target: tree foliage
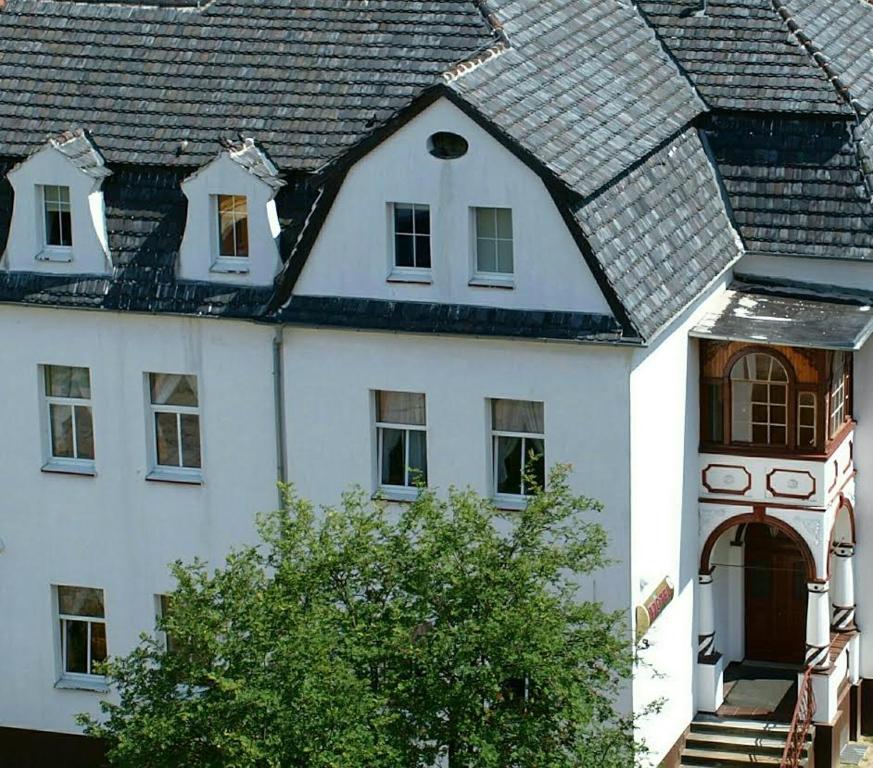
pixel 442 633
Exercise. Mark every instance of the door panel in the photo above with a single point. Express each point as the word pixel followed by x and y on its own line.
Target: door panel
pixel 776 597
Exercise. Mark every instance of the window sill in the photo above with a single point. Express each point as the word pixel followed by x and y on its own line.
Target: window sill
pixel 92 683
pixel 59 254
pixel 62 467
pixel 178 477
pixel 397 494
pixel 510 503
pixel 231 265
pixel 483 281
pixel 420 276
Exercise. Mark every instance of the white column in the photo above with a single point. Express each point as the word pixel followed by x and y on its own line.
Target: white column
pixel 818 626
pixel 706 652
pixel 843 601
pixel 710 663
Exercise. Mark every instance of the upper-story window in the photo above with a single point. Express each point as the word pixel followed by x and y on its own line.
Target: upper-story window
pixel 58 220
pixel 411 236
pixel 401 436
pixel 175 415
pixel 518 447
pixel 759 400
pixel 839 393
pixel 494 256
pixel 233 226
pixel 70 426
pixel 780 398
pixel 57 216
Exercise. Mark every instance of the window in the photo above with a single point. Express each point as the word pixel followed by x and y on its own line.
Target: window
pixel 518 446
pixel 411 236
pixel 807 412
pixel 759 397
pixel 164 605
pixel 70 421
pixel 58 224
pixel 444 145
pixel 82 621
pixel 401 439
pixel 233 226
pixel 176 423
pixel 839 394
pixel 493 241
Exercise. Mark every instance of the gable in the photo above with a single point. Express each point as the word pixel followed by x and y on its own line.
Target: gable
pixel 352 255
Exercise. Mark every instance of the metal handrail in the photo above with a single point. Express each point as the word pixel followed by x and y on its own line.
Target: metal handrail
pixel 801 722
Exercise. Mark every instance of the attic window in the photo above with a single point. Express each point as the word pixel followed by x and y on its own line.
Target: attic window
pixel 447 146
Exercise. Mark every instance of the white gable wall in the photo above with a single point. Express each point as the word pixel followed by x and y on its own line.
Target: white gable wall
pixel 353 253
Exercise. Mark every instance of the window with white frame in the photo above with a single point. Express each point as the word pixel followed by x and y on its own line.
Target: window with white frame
pixel 807 417
pixel 411 229
pixel 57 216
pixel 69 416
pixel 82 623
pixel 175 423
pixel 494 253
pixel 233 226
pixel 164 606
pixel 401 436
pixel 518 447
pixel 839 394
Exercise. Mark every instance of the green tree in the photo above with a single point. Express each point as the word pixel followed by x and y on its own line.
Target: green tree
pixel 445 633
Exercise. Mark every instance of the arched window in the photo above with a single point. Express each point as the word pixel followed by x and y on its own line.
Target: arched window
pixel 759 398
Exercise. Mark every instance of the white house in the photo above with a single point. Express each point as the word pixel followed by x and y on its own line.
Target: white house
pixel 256 241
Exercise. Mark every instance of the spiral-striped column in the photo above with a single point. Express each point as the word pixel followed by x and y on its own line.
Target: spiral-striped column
pixel 818 625
pixel 706 651
pixel 843 602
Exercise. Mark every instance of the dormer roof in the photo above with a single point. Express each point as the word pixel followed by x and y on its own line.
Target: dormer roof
pixel 78 149
pixel 248 156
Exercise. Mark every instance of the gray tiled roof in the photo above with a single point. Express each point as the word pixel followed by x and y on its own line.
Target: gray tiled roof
pixel 661 233
pixel 585 87
pixel 796 186
pixel 305 78
pixel 741 56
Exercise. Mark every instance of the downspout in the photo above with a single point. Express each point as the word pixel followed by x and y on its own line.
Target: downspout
pixel 279 409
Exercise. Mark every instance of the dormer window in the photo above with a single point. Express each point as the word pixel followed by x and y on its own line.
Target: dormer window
pixel 58 217
pixel 233 226
pixel 58 222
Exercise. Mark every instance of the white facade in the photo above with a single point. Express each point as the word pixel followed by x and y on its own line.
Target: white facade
pixel 625 419
pixel 118 531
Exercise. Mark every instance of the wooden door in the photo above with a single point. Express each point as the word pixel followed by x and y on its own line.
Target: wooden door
pixel 776 595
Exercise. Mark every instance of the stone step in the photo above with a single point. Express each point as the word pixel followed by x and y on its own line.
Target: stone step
pixel 762 744
pixel 742 727
pixel 712 757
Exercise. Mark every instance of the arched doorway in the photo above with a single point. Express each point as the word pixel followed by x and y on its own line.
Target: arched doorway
pixel 776 596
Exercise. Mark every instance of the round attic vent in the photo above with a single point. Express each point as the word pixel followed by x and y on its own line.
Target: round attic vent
pixel 447 146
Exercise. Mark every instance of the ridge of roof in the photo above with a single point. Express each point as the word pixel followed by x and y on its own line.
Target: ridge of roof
pixel 486 54
pixel 249 156
pixel 815 53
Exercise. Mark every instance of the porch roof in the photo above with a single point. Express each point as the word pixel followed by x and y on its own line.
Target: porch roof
pixel 794 315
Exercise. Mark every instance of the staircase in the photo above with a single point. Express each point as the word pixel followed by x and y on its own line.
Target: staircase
pixel 725 743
